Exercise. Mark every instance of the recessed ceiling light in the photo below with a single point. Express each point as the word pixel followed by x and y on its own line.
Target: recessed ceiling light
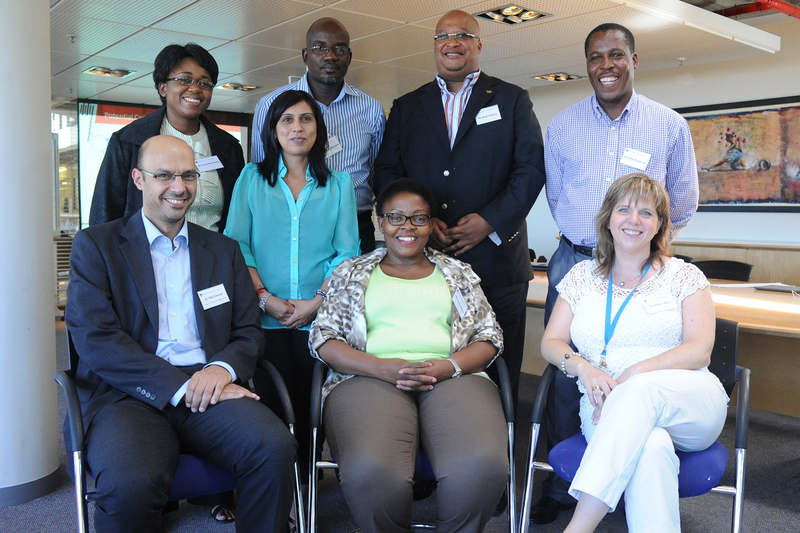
pixel 558 76
pixel 237 87
pixel 112 72
pixel 512 14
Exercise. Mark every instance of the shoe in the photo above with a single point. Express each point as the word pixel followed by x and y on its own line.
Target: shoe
pixel 546 510
pixel 223 513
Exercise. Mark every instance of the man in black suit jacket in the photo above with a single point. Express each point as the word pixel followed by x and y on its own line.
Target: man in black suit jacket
pixel 485 166
pixel 164 317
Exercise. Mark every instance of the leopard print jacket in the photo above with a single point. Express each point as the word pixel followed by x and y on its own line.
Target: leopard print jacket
pixel 342 317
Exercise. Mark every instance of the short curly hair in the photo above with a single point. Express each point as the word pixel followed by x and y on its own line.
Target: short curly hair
pixel 171 56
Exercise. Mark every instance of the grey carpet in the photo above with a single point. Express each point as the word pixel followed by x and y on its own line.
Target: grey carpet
pixel 772 498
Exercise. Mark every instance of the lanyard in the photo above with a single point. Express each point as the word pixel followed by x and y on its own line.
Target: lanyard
pixel 611 325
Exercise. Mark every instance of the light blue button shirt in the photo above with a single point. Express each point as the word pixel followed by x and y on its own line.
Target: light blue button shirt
pixel 179 340
pixel 293 244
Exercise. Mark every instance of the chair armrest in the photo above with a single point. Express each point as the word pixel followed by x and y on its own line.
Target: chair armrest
pixel 742 406
pixel 541 393
pixel 317 380
pixel 505 388
pixel 74 415
pixel 280 387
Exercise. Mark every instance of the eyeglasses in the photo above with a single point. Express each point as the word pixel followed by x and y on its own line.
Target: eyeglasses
pixel 340 49
pixel 188 82
pixel 190 176
pixel 396 219
pixel 461 36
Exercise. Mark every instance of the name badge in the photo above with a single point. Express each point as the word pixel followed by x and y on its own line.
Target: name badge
pixel 635 158
pixel 488 114
pixel 460 303
pixel 213 296
pixel 334 146
pixel 656 304
pixel 208 164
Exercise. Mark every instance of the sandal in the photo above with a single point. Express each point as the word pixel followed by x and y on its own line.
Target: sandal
pixel 223 513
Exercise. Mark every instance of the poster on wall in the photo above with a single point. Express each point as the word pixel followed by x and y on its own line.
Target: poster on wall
pixel 97 121
pixel 748 155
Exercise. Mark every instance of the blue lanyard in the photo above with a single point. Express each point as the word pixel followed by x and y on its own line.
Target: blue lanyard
pixel 611 325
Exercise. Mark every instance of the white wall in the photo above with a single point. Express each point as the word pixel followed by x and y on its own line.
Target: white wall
pixel 770 76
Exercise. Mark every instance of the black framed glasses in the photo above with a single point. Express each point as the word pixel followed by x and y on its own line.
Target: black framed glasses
pixel 190 176
pixel 461 36
pixel 396 219
pixel 339 49
pixel 188 82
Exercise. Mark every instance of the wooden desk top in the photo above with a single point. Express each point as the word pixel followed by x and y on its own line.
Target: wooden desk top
pixel 768 313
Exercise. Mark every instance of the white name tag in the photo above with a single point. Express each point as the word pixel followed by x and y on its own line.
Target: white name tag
pixel 213 296
pixel 656 304
pixel 635 158
pixel 488 114
pixel 460 303
pixel 208 164
pixel 334 147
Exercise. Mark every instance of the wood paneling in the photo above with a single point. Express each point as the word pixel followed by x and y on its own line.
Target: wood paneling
pixel 772 263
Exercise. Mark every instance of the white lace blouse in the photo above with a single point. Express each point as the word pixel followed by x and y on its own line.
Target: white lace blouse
pixel 642 331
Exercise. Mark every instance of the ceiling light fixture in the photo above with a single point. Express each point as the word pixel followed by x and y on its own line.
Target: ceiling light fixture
pixel 111 72
pixel 558 76
pixel 237 87
pixel 511 14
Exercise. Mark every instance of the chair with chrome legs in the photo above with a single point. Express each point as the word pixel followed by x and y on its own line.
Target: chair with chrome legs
pixel 194 476
pixel 700 472
pixel 317 464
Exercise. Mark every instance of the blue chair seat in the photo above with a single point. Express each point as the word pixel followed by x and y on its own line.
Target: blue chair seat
pixel 699 473
pixel 198 477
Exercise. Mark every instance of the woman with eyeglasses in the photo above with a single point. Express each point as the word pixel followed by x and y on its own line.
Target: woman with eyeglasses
pixel 295 220
pixel 407 332
pixel 184 77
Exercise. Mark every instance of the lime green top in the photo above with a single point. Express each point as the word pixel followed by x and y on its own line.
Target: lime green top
pixel 409 319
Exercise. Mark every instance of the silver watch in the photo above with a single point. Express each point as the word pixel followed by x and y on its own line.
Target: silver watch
pixel 457 373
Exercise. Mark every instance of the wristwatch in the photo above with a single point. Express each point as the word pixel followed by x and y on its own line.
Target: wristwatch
pixel 457 373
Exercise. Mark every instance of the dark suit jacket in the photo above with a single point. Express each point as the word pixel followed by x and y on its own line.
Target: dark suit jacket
pixel 116 196
pixel 495 169
pixel 112 313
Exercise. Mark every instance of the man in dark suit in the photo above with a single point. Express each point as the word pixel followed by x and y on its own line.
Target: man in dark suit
pixel 165 320
pixel 475 141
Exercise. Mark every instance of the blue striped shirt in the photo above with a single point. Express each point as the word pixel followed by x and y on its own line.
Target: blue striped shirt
pixel 355 118
pixel 583 151
pixel 294 245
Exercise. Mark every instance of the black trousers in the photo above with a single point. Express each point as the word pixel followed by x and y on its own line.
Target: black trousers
pixel 510 307
pixel 133 449
pixel 366 231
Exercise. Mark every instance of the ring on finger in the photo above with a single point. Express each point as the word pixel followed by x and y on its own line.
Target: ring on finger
pixel 596 387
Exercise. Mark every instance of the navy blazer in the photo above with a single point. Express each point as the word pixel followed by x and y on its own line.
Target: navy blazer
pixel 495 169
pixel 115 194
pixel 112 313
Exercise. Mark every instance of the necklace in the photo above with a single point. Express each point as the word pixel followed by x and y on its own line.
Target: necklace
pixel 623 282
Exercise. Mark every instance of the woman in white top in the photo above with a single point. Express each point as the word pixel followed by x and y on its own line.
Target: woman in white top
pixel 643 324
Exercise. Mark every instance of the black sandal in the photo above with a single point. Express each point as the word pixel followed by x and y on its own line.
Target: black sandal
pixel 225 511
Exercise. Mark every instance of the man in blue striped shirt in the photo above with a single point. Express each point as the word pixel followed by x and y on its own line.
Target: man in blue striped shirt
pixel 589 145
pixel 354 120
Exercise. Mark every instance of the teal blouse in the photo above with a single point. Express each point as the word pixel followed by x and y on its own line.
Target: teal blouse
pixel 294 245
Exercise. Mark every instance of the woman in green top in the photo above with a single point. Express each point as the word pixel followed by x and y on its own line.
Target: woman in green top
pixel 407 333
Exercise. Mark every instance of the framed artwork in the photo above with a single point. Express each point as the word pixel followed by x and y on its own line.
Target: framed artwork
pixel 748 154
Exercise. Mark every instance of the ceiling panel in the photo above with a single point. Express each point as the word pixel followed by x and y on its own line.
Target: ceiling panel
pixel 232 19
pixel 402 11
pixel 60 61
pixel 403 40
pixel 90 36
pixel 532 64
pixel 146 44
pixel 76 71
pixel 421 61
pixel 74 87
pixel 292 34
pixel 235 57
pixel 279 71
pixel 137 12
pixel 378 73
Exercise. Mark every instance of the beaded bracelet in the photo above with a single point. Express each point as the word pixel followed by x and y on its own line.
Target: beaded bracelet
pixel 564 364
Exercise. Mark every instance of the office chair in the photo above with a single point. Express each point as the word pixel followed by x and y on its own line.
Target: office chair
pixel 422 463
pixel 686 258
pixel 699 471
pixel 720 269
pixel 194 476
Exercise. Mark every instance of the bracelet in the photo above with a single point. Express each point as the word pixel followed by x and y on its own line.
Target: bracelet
pixel 322 293
pixel 564 364
pixel 262 303
pixel 260 290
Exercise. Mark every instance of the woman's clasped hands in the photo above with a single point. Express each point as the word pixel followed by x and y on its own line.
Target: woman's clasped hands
pixel 415 376
pixel 598 384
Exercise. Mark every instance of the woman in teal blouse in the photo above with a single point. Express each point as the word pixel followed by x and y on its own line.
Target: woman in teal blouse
pixel 295 221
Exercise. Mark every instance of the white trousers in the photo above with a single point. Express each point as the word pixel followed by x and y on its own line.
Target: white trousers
pixel 632 447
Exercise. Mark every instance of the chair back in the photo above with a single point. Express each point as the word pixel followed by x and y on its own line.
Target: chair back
pixel 720 269
pixel 685 258
pixel 723 356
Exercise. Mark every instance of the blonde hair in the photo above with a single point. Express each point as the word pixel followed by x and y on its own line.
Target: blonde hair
pixel 638 186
